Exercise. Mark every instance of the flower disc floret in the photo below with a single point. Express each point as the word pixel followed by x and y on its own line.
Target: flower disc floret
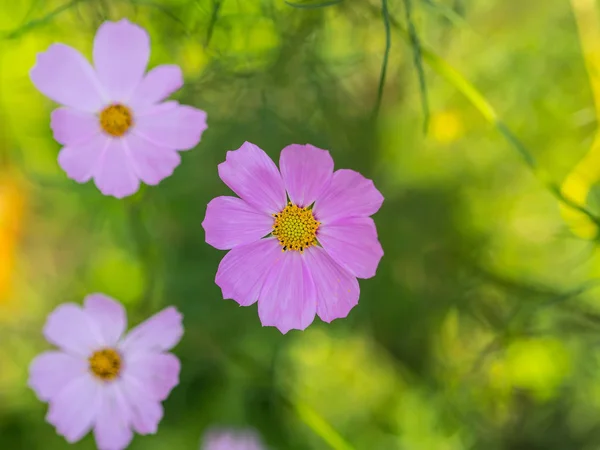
pixel 295 228
pixel 116 119
pixel 105 364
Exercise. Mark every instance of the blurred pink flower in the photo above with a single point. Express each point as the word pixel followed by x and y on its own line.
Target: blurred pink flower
pixel 326 246
pixel 99 380
pixel 228 439
pixel 113 127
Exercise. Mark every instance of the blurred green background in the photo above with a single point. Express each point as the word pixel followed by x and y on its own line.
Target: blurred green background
pixel 481 327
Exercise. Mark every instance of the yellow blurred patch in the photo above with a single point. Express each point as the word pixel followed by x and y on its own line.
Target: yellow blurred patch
pixel 193 58
pixel 576 187
pixel 446 126
pixel 538 365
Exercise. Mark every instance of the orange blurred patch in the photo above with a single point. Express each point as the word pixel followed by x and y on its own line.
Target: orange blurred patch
pixel 12 211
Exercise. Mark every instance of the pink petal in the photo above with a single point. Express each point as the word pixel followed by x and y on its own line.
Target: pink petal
pixel 349 195
pixel 306 172
pixel 353 244
pixel 80 160
pixel 243 270
pixel 159 108
pixel 288 299
pixel 152 163
pixel 225 439
pixel 230 222
pixel 51 371
pixel 114 174
pixel 178 128
pixel 73 127
pixel 337 290
pixel 252 175
pixel 148 415
pixel 121 52
pixel 112 429
pixel 64 75
pixel 160 332
pixel 157 85
pixel 157 372
pixel 146 412
pixel 71 329
pixel 75 408
pixel 109 315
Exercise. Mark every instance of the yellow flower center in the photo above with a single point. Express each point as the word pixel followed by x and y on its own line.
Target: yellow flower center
pixel 116 119
pixel 295 228
pixel 106 364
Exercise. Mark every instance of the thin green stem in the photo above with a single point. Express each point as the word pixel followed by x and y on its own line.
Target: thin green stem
pixel 313 5
pixel 213 20
pixel 418 61
pixel 388 45
pixel 42 21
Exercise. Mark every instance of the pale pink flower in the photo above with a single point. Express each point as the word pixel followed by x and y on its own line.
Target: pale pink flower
pixel 103 380
pixel 113 125
pixel 231 439
pixel 325 232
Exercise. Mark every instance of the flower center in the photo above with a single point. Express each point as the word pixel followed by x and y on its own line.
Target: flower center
pixel 116 119
pixel 295 228
pixel 106 364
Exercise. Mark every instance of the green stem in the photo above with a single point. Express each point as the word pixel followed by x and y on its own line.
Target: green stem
pixel 418 61
pixel 388 45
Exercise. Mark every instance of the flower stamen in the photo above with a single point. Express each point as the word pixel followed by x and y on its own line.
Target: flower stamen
pixel 295 228
pixel 116 119
pixel 105 364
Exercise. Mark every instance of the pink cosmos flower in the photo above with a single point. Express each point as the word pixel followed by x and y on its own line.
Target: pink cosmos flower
pixel 223 439
pixel 101 380
pixel 113 125
pixel 324 230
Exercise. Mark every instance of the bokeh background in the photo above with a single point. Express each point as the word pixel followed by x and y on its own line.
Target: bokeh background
pixel 481 329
